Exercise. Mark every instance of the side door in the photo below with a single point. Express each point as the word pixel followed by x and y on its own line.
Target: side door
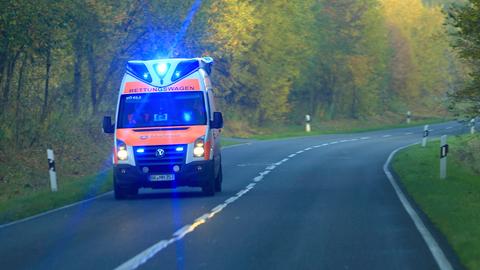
pixel 214 131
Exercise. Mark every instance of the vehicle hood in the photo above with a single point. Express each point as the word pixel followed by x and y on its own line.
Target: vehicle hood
pixel 160 135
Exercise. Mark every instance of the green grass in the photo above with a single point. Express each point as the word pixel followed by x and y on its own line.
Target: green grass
pixel 453 204
pixel 334 127
pixel 70 191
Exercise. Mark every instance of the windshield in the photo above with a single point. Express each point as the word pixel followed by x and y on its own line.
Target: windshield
pixel 162 109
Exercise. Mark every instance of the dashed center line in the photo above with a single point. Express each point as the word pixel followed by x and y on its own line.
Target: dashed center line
pixel 150 252
pixel 386 136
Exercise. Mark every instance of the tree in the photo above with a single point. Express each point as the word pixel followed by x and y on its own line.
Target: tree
pixel 465 23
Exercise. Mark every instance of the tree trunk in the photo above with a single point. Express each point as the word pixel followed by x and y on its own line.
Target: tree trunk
pixel 6 91
pixel 77 74
pixel 18 114
pixel 48 64
pixel 92 67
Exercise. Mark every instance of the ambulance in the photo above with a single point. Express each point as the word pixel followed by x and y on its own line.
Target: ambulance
pixel 167 128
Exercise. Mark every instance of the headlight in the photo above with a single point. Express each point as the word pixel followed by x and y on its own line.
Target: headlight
pixel 199 147
pixel 122 153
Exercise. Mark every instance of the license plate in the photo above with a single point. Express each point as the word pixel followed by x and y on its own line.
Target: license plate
pixel 162 177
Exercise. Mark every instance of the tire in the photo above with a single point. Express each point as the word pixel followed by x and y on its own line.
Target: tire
pixel 208 188
pixel 122 193
pixel 219 180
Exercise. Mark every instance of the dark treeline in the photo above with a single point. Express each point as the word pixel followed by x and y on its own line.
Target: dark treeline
pixel 61 61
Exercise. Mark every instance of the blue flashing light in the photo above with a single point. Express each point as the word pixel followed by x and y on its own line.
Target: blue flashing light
pixel 177 74
pixel 187 117
pixel 162 69
pixel 146 75
pixel 140 150
pixel 179 149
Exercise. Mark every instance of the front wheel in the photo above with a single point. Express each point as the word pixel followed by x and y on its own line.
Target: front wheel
pixel 208 188
pixel 219 180
pixel 122 193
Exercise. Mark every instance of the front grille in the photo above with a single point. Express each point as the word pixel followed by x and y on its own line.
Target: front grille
pixel 171 155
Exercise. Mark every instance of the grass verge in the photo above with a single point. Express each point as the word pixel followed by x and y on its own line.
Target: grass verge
pixel 69 191
pixel 453 204
pixel 333 127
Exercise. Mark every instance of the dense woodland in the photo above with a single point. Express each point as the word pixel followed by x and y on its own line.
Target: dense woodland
pixel 61 61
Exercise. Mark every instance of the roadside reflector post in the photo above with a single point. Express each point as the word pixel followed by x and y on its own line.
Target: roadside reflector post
pixel 425 136
pixel 472 126
pixel 409 115
pixel 307 123
pixel 51 170
pixel 443 156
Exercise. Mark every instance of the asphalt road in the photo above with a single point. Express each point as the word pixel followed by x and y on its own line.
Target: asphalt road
pixel 320 202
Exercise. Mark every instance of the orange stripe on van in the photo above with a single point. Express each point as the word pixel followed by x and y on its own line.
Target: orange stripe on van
pixel 163 137
pixel 140 87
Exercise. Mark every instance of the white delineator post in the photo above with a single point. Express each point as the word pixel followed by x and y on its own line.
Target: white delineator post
pixel 409 114
pixel 425 136
pixel 472 126
pixel 443 156
pixel 51 170
pixel 307 123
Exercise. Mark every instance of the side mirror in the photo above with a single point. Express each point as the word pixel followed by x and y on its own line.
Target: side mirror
pixel 217 121
pixel 108 127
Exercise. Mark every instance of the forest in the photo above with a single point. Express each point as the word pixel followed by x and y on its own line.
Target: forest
pixel 61 64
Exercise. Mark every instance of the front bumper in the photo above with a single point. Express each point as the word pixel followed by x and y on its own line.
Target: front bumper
pixel 194 174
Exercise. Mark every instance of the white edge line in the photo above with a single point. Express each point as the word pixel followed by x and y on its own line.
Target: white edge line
pixel 79 202
pixel 432 244
pixel 236 145
pixel 53 210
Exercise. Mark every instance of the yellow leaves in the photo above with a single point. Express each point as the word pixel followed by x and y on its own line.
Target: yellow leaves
pixel 418 41
pixel 232 28
pixel 361 68
pixel 404 13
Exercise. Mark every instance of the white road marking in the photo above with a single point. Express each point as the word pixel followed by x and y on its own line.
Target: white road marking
pixel 432 244
pixel 251 185
pixel 231 199
pixel 386 136
pixel 307 149
pixel 220 207
pixel 264 173
pixel 258 178
pixel 269 168
pixel 448 127
pixel 150 252
pixel 364 138
pixel 408 133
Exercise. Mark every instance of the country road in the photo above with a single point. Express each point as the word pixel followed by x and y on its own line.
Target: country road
pixel 321 202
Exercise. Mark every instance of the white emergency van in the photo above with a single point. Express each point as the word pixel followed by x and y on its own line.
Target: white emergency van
pixel 167 128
